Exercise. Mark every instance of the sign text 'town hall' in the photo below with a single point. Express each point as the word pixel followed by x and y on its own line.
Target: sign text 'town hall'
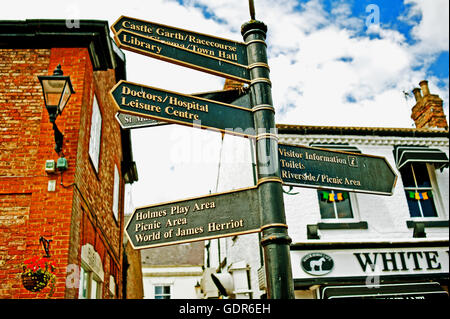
pixel 198 51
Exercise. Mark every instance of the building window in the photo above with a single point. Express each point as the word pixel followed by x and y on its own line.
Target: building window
pixel 115 206
pixel 91 274
pixel 335 205
pixel 96 130
pixel 418 190
pixel 112 286
pixel 162 292
pixel 83 290
pixel 90 285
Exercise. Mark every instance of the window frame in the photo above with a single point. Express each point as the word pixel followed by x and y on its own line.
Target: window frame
pixel 116 193
pixel 162 294
pixel 95 142
pixel 87 277
pixel 91 269
pixel 436 198
pixel 112 287
pixel 353 206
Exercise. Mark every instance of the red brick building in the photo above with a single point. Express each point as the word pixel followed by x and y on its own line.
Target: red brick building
pixel 83 215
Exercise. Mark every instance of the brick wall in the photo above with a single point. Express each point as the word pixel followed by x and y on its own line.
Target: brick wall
pixel 80 209
pixel 429 113
pixel 20 137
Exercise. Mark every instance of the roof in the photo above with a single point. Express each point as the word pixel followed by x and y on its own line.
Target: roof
pixel 240 96
pixel 366 131
pixel 190 254
pixel 42 33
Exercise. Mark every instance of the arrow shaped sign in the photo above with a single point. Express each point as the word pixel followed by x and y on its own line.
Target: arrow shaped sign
pixel 198 51
pixel 212 216
pixel 304 166
pixel 128 121
pixel 167 106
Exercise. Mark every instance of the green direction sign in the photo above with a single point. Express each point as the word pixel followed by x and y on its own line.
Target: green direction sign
pixel 212 216
pixel 304 166
pixel 162 105
pixel 202 52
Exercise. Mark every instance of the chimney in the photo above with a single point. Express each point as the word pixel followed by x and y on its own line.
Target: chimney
pixel 424 86
pixel 417 94
pixel 428 111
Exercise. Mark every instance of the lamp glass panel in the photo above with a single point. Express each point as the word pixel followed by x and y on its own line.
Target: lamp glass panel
pixel 52 91
pixel 65 97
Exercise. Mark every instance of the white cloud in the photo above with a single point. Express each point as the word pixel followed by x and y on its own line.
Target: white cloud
pixel 174 162
pixel 335 75
pixel 432 31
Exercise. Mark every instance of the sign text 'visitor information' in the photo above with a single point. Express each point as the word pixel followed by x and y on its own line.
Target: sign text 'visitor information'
pixel 162 105
pixel 202 52
pixel 304 166
pixel 212 216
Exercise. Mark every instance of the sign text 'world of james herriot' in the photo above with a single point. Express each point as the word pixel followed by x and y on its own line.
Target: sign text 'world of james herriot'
pixel 202 52
pixel 167 106
pixel 304 166
pixel 212 216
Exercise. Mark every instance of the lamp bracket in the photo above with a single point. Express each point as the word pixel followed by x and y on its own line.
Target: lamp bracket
pixel 46 244
pixel 59 137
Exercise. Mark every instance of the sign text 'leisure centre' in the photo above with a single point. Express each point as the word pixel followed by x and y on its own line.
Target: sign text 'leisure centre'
pixel 167 106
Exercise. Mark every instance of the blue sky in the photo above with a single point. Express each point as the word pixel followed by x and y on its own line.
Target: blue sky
pixel 390 11
pixel 363 53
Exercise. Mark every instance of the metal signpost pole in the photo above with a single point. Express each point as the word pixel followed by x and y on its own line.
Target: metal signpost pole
pixel 275 240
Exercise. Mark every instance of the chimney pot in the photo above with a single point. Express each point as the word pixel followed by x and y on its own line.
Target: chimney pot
pixel 424 86
pixel 428 111
pixel 417 94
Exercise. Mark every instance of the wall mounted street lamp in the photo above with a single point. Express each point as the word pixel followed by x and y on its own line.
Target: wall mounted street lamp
pixel 57 90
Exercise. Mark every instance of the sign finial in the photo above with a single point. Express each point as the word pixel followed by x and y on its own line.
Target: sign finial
pixel 252 9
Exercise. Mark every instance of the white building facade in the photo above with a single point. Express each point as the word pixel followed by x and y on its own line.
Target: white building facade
pixel 347 244
pixel 171 282
pixel 172 272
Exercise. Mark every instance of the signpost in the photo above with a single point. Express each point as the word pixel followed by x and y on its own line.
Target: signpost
pixel 162 105
pixel 207 217
pixel 304 166
pixel 256 209
pixel 202 52
pixel 275 240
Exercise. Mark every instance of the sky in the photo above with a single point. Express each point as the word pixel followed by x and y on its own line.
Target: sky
pixel 337 63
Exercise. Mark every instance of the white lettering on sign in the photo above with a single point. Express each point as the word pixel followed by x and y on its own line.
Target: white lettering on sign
pixel 378 261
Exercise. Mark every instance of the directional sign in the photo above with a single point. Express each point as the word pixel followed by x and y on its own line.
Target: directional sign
pixel 128 121
pixel 162 105
pixel 304 166
pixel 202 52
pixel 212 216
